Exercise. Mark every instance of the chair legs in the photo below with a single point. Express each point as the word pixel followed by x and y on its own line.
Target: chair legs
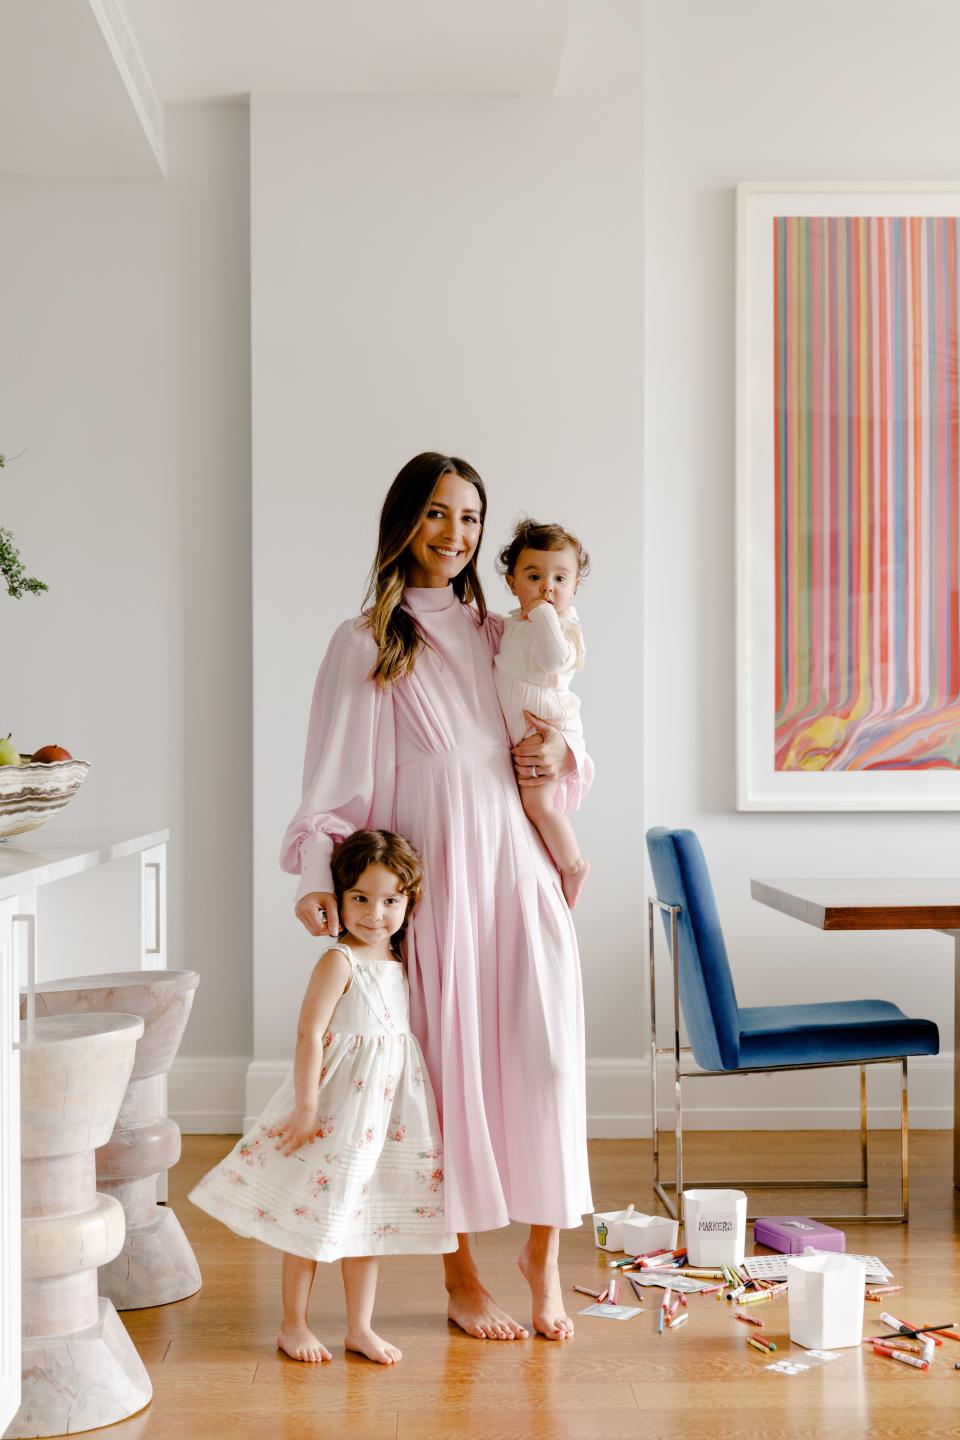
pixel 669 1191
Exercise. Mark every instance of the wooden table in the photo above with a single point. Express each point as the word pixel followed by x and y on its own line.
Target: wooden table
pixel 879 905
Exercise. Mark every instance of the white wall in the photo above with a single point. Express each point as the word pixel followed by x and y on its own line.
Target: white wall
pixel 750 90
pixel 461 275
pixel 124 372
pixel 478 275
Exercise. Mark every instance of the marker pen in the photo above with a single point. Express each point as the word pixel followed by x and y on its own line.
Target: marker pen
pixel 902 1356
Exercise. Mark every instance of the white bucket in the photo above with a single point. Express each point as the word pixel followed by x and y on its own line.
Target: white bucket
pixel 643 1233
pixel 825 1293
pixel 608 1228
pixel 715 1226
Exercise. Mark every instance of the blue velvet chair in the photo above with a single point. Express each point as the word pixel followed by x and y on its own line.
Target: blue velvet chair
pixel 727 1038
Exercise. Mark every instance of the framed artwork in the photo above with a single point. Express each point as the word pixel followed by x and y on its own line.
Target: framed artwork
pixel 848 497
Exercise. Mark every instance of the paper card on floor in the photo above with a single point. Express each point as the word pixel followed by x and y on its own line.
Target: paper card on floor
pixel 686 1283
pixel 787 1367
pixel 613 1312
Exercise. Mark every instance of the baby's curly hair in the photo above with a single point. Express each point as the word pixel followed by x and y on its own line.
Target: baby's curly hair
pixel 531 535
pixel 378 847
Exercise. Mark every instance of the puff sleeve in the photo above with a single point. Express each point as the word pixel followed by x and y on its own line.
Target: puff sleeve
pixel 349 767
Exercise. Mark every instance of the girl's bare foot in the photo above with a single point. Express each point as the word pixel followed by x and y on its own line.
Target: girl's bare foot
pixel 367 1342
pixel 543 1276
pixel 572 881
pixel 300 1343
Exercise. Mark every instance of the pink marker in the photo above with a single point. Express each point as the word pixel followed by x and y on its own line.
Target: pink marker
pixel 902 1356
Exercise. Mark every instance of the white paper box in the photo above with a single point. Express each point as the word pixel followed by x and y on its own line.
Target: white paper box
pixel 715 1226
pixel 607 1229
pixel 648 1232
pixel 825 1293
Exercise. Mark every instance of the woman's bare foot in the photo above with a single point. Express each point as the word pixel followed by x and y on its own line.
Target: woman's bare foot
pixel 543 1276
pixel 472 1308
pixel 572 881
pixel 367 1342
pixel 300 1343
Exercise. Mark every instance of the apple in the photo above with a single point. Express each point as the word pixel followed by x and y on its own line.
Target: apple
pixel 9 754
pixel 50 754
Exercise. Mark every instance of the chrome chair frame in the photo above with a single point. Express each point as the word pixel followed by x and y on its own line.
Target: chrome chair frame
pixel 664 1188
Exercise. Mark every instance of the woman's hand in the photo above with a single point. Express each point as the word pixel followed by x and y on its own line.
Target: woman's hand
pixel 543 756
pixel 296 1129
pixel 317 913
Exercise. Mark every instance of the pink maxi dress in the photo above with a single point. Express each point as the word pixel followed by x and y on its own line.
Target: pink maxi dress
pixel 495 993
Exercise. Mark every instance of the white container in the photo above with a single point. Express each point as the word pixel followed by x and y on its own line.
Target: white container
pixel 715 1226
pixel 642 1233
pixel 608 1228
pixel 825 1293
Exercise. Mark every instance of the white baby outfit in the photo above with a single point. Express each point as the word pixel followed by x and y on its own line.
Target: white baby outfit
pixel 534 666
pixel 370 1182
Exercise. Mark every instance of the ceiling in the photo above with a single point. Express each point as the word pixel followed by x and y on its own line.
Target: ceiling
pixel 83 82
pixel 65 104
pixel 200 49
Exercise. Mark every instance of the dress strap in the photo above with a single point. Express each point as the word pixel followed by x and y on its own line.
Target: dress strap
pixel 346 953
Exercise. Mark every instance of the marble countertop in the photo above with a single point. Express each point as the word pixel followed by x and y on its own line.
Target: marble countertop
pixel 48 854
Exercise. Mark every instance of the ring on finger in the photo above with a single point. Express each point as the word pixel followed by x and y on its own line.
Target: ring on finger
pixel 533 772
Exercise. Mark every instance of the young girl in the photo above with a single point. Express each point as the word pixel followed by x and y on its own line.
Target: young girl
pixel 541 648
pixel 346 1161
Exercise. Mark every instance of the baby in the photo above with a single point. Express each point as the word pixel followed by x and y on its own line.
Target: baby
pixel 541 648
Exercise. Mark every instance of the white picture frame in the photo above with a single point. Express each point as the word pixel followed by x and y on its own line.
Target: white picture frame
pixel 761 785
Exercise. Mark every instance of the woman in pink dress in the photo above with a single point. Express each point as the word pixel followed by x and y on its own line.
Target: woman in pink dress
pixel 406 734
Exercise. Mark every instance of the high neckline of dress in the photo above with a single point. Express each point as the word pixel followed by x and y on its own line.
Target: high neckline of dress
pixel 435 597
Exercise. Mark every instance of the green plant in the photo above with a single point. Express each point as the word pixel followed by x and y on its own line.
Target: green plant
pixel 12 570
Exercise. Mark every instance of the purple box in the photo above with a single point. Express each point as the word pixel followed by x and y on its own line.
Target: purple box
pixel 791 1234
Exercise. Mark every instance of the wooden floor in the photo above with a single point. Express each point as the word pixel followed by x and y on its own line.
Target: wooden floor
pixel 216 1373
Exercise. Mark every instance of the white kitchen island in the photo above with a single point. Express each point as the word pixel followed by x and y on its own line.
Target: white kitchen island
pixel 28 864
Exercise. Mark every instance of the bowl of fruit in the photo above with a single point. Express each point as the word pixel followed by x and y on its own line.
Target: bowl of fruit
pixel 35 787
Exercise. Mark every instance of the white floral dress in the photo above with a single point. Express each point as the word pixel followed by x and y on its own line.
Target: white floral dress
pixel 370 1182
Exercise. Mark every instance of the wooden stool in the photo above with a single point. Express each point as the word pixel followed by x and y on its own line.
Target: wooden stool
pixel 156 1265
pixel 80 1367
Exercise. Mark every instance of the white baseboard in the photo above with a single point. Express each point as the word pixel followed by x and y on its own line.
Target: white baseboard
pixel 206 1095
pixel 618 1098
pixel 221 1095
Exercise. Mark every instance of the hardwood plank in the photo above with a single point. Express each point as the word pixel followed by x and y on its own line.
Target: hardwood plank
pixel 494 1425
pixel 216 1370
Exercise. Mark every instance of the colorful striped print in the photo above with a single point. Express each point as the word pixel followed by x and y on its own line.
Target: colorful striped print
pixel 867 495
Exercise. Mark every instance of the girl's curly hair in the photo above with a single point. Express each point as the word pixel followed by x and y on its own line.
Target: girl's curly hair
pixel 378 847
pixel 531 535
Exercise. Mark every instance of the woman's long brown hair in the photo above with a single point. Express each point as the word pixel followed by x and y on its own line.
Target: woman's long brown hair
pixel 398 636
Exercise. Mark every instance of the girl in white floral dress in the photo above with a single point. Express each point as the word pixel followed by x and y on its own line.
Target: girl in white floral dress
pixel 346 1160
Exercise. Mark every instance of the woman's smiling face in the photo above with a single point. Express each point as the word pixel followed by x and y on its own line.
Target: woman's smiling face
pixel 448 534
